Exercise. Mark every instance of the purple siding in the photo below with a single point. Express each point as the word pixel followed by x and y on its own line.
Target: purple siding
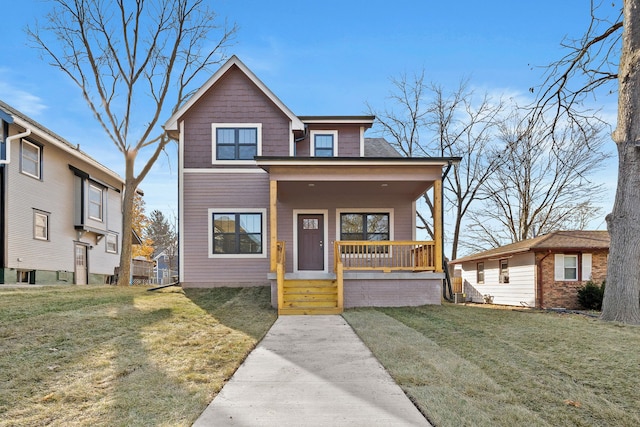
pixel 233 99
pixel 216 190
pixel 348 140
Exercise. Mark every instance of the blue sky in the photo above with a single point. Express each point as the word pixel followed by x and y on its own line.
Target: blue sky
pixel 324 58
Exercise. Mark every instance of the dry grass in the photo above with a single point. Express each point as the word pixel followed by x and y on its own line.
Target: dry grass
pixel 122 356
pixel 477 367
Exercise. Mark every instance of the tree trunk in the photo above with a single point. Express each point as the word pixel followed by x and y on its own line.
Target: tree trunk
pixel 124 277
pixel 622 292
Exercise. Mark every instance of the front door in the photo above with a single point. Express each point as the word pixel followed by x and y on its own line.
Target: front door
pixel 311 242
pixel 81 264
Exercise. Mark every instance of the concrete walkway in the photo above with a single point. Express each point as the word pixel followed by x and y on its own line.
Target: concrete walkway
pixel 311 371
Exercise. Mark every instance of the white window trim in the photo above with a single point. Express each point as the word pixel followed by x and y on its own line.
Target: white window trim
pixel 559 268
pixel 265 234
pixel 484 272
pixel 312 141
pixel 389 211
pixel 215 126
pixel 46 216
pixel 106 243
pixel 38 166
pixel 101 218
pixel 324 212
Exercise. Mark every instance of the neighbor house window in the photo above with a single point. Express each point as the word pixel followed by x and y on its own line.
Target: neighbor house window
pixel 364 226
pixel 480 272
pixel 571 267
pixel 504 271
pixel 112 243
pixel 31 160
pixel 40 225
pixel 237 233
pixel 324 143
pixel 95 202
pixel 236 141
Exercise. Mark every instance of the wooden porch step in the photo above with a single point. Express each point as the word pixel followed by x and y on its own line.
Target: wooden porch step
pixel 301 283
pixel 309 311
pixel 304 304
pixel 311 297
pixel 307 291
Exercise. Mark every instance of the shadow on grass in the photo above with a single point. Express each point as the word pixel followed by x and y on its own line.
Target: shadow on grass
pixel 243 309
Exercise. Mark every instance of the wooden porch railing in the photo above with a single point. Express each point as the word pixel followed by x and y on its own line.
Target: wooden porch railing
pixel 386 255
pixel 281 248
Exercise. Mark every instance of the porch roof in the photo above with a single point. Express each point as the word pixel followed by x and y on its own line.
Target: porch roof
pixel 355 175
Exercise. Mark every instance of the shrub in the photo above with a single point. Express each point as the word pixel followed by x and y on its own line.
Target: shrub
pixel 590 295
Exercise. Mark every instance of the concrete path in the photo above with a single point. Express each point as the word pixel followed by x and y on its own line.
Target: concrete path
pixel 311 371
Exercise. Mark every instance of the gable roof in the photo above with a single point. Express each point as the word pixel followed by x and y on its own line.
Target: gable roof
pixel 25 122
pixel 555 241
pixel 172 123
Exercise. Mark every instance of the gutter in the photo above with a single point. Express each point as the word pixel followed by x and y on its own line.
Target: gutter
pixel 8 142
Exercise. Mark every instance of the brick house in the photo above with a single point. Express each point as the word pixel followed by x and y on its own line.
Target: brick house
pixel 542 272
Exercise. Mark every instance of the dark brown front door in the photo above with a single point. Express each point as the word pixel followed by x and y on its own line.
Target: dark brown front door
pixel 311 242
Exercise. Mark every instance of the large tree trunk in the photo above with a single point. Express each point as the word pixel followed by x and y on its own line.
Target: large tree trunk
pixel 131 185
pixel 622 292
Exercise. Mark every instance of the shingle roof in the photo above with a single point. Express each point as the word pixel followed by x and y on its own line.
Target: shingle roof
pixel 555 241
pixel 379 147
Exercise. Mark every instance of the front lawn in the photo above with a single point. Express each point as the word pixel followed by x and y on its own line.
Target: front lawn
pixel 470 366
pixel 109 356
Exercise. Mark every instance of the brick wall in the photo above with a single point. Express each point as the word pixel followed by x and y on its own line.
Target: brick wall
pixel 565 294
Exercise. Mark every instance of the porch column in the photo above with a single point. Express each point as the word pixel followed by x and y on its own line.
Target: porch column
pixel 273 223
pixel 437 223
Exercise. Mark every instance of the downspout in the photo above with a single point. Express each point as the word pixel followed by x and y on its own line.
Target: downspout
pixel 8 142
pixel 445 267
pixel 539 293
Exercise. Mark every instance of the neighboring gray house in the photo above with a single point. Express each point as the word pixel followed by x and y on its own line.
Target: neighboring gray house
pixel 304 203
pixel 60 210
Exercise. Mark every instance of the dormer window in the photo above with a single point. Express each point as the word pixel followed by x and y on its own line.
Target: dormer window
pixel 324 143
pixel 236 142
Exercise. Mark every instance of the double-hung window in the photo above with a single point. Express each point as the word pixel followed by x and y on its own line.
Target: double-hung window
pixel 112 243
pixel 235 142
pixel 570 267
pixel 504 271
pixel 480 273
pixel 40 225
pixel 95 202
pixel 324 143
pixel 30 159
pixel 237 233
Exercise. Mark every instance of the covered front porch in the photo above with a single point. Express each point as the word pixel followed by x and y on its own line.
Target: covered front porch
pixel 343 233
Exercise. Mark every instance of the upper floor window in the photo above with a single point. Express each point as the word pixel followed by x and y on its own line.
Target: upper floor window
pixel 236 141
pixel 30 159
pixel 324 143
pixel 504 271
pixel 95 202
pixel 480 273
pixel 40 225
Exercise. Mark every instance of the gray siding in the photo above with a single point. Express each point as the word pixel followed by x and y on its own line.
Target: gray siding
pixel 54 194
pixel 233 99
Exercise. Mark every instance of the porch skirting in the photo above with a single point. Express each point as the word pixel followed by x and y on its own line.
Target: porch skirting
pixel 378 289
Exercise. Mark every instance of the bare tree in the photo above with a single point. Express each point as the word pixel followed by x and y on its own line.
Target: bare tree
pixel 607 54
pixel 541 185
pixel 134 62
pixel 425 120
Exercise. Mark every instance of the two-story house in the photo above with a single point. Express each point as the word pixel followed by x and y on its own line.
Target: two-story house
pixel 304 203
pixel 60 210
